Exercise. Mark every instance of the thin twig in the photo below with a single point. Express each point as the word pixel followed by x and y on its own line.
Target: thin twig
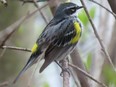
pixel 15 48
pixel 97 36
pixel 4 84
pixel 76 60
pixel 75 78
pixel 6 33
pixel 2 53
pixel 86 74
pixel 35 3
pixel 103 7
pixel 66 75
pixel 27 50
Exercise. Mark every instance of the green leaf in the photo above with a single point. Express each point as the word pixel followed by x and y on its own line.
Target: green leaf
pixel 21 29
pixel 89 61
pixel 83 17
pixel 46 84
pixel 92 12
pixel 109 76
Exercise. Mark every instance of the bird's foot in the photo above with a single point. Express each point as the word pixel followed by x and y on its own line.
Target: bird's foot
pixel 65 70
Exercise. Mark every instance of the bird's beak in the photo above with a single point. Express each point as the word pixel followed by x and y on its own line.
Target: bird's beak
pixel 79 7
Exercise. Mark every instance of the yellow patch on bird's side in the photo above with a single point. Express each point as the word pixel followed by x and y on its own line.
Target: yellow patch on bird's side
pixel 67 1
pixel 34 48
pixel 78 33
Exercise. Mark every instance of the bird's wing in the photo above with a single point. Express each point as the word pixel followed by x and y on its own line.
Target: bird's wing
pixel 57 53
pixel 33 59
pixel 60 33
pixel 60 45
pixel 37 50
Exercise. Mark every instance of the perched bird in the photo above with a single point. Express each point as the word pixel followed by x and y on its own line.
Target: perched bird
pixel 58 39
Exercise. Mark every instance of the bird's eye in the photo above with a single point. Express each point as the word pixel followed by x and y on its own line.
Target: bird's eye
pixel 72 9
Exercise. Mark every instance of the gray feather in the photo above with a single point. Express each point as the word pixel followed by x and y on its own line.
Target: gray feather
pixel 29 64
pixel 58 53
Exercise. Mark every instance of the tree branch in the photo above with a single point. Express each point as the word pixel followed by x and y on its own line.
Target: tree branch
pixel 76 79
pixel 15 48
pixel 97 36
pixel 76 60
pixel 86 74
pixel 3 84
pixel 53 5
pixel 66 75
pixel 35 3
pixel 113 5
pixel 6 33
pixel 104 7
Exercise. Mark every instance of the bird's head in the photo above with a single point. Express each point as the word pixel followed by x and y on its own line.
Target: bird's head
pixel 67 9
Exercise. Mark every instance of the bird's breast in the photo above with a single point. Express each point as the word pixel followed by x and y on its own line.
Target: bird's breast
pixel 78 31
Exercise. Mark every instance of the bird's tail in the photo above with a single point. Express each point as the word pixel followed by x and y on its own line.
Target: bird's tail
pixel 36 52
pixel 29 64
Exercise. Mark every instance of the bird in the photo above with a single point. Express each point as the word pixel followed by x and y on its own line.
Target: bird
pixel 58 39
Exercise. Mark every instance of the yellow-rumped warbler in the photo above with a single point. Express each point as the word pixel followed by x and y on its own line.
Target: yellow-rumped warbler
pixel 58 38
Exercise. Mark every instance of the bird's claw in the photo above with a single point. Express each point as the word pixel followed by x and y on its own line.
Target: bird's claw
pixel 65 70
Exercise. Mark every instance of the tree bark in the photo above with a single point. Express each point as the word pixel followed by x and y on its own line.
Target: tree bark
pixel 76 59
